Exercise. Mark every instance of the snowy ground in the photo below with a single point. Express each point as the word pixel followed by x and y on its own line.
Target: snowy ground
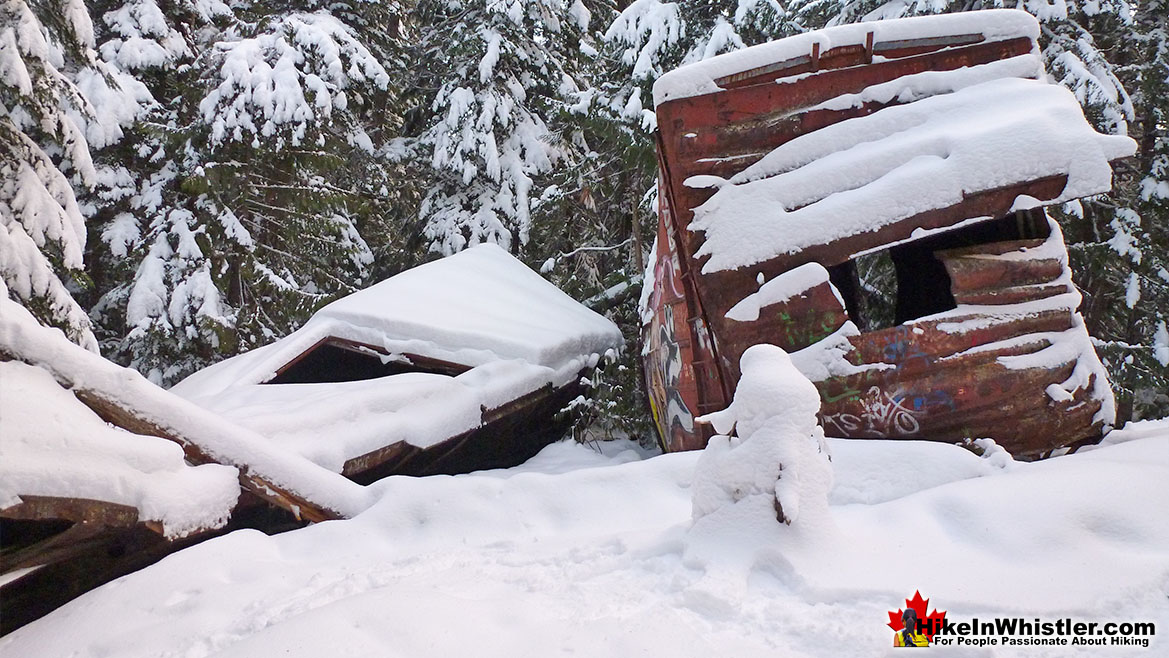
pixel 593 554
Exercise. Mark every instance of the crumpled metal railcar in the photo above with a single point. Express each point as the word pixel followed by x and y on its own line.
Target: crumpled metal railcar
pixel 871 198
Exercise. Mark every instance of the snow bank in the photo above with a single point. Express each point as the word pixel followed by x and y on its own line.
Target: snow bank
pixel 538 563
pixel 602 560
pixel 851 177
pixel 701 77
pixel 53 445
pixel 480 308
pixel 775 470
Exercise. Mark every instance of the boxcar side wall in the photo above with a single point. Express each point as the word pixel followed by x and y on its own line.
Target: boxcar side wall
pixel 993 365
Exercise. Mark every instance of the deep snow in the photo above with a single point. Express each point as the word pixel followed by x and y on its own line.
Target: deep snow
pixel 588 554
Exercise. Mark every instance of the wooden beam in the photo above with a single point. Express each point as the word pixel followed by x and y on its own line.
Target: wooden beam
pixel 112 409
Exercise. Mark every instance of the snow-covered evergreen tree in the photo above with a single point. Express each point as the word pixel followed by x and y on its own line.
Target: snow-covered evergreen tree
pixel 239 209
pixel 1122 250
pixel 655 36
pixel 496 75
pixel 56 100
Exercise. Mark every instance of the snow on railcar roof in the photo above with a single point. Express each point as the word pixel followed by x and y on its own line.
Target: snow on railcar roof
pixel 864 173
pixel 701 77
pixel 477 306
pixel 499 330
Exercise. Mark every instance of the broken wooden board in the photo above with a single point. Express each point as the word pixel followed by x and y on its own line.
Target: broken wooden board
pixel 124 398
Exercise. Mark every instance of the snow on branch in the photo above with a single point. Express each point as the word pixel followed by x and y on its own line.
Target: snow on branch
pixel 646 28
pixel 298 74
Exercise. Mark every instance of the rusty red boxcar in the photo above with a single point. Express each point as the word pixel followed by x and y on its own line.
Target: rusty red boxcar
pixel 871 198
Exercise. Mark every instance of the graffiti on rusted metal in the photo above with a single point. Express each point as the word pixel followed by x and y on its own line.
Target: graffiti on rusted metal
pixel 944 372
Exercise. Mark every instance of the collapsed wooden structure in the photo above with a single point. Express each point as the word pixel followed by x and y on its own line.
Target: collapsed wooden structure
pixel 821 193
pixel 459 365
pixel 92 485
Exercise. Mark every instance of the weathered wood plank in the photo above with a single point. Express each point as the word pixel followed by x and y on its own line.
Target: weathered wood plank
pixel 109 554
pixel 114 412
pixel 72 542
pixel 77 510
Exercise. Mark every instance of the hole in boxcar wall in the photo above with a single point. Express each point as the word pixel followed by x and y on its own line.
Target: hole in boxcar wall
pixel 906 282
pixel 333 361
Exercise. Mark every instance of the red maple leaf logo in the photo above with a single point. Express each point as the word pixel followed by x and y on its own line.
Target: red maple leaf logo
pixel 930 623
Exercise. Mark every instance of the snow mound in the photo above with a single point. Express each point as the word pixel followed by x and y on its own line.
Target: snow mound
pixel 776 470
pixel 54 446
pixel 603 561
pixel 779 452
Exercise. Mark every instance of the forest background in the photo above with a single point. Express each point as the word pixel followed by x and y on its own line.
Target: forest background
pixel 184 180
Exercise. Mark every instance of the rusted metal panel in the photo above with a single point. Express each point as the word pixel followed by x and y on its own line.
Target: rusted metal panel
pixel 968 397
pixel 921 345
pixel 942 377
pixel 752 103
pixel 712 391
pixel 527 421
pixel 793 325
pixel 844 56
pixel 1011 295
pixel 721 290
pixel 669 351
pixel 972 273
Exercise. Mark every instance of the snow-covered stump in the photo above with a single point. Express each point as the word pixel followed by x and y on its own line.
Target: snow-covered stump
pixel 778 451
pixel 762 492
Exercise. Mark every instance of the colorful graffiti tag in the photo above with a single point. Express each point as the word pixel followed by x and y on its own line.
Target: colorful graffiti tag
pixel 885 414
pixel 667 371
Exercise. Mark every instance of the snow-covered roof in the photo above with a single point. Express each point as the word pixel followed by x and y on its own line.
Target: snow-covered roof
pixel 54 446
pixel 474 307
pixel 480 308
pixel 701 77
pixel 861 174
